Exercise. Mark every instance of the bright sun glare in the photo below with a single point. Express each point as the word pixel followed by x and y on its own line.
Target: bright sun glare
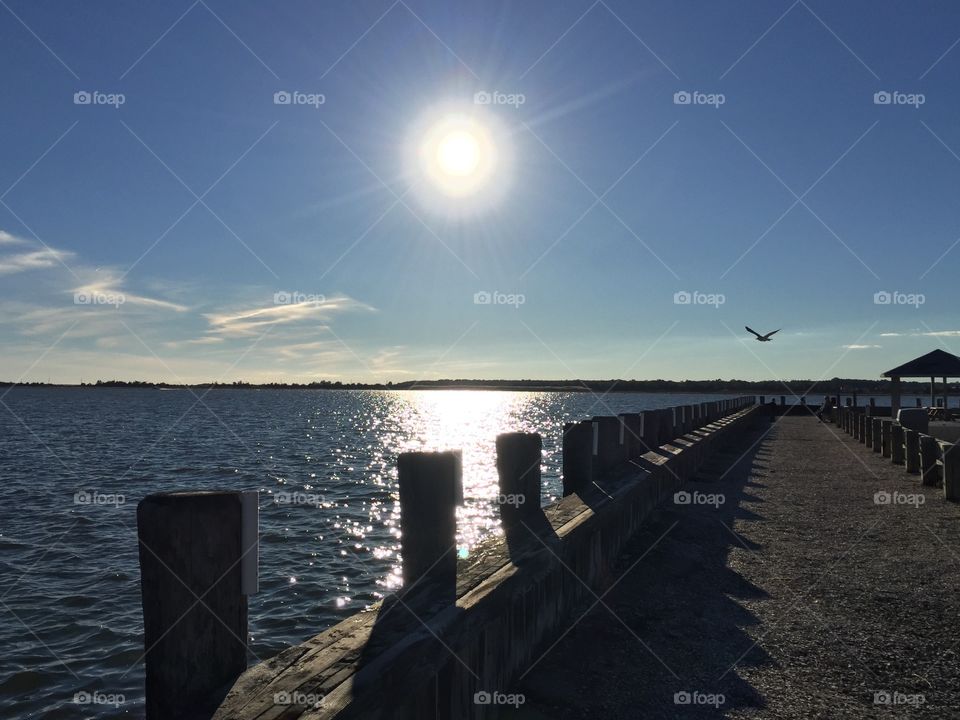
pixel 460 158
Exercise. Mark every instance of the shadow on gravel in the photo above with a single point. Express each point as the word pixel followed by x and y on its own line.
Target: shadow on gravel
pixel 666 639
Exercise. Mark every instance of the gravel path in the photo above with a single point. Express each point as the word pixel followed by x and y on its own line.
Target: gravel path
pixel 798 597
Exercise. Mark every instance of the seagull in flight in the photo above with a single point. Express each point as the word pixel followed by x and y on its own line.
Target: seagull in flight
pixel 762 338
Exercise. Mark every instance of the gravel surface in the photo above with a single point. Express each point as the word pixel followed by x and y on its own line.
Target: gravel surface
pixel 798 597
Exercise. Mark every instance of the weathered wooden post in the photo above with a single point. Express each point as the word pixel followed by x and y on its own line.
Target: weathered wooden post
pixel 763 399
pixel 885 438
pixel 676 422
pixel 198 563
pixel 868 431
pixel 896 443
pixel 951 471
pixel 876 434
pixel 650 430
pixel 929 454
pixel 608 453
pixel 430 490
pixel 518 467
pixel 631 442
pixel 577 456
pixel 911 441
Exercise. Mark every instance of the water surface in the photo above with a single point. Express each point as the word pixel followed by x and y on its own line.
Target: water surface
pixel 323 461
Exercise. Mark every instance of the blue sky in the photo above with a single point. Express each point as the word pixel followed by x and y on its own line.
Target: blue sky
pixel 201 231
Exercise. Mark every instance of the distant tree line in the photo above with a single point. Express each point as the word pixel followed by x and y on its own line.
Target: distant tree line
pixel 769 387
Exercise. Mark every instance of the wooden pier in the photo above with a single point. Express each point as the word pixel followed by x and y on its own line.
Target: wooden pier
pixel 824 587
pixel 458 632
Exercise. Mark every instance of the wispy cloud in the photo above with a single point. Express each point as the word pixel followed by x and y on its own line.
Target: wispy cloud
pixel 861 347
pixel 19 255
pixel 206 340
pixel 8 239
pixel 106 282
pixel 929 333
pixel 251 321
pixel 33 259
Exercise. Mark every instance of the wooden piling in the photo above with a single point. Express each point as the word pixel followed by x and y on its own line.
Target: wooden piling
pixel 951 471
pixel 886 425
pixel 608 452
pixel 518 467
pixel 430 490
pixel 876 434
pixel 911 441
pixel 192 547
pixel 929 454
pixel 577 456
pixel 631 435
pixel 896 443
pixel 650 430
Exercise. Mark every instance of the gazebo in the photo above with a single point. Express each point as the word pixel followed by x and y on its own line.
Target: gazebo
pixel 933 365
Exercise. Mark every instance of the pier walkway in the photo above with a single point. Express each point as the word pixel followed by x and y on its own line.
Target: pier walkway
pixel 804 595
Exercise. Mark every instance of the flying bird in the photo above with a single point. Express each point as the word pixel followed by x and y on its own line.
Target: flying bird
pixel 762 338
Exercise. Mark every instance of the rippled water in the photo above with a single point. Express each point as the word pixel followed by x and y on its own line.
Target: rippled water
pixel 69 575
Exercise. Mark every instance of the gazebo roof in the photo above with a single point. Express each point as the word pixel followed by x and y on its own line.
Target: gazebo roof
pixel 934 364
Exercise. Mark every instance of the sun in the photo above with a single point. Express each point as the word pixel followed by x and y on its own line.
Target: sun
pixel 458 154
pixel 460 158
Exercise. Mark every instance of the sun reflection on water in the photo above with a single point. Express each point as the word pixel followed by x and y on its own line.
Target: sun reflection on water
pixel 465 420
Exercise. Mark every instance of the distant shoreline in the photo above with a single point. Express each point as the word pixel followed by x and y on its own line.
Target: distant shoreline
pixel 791 387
